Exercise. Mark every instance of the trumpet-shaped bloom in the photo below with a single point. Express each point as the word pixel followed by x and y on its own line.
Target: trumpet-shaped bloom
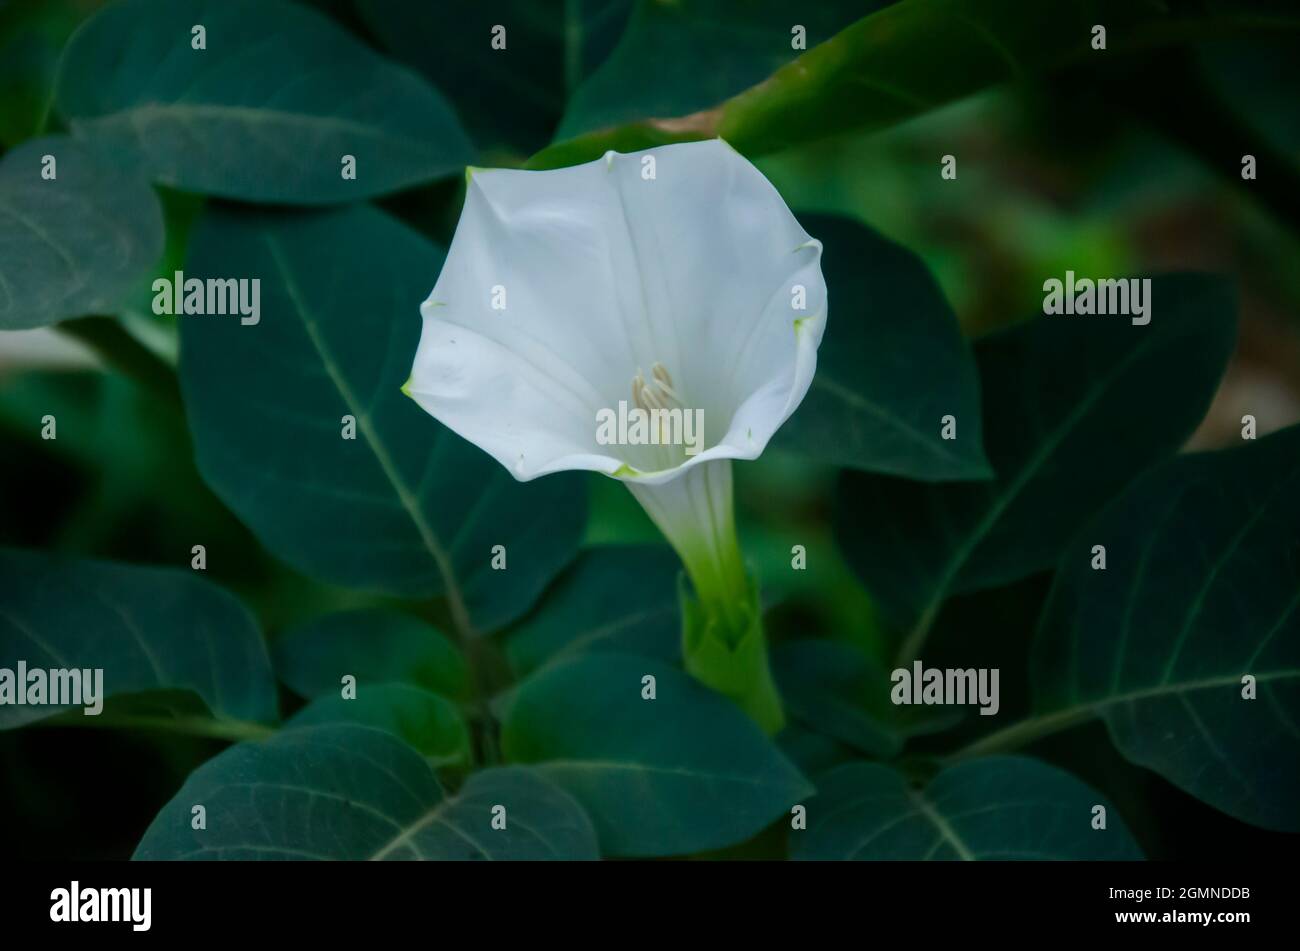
pixel 651 316
pixel 673 279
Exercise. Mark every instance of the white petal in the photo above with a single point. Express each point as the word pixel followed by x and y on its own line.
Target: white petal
pixel 606 272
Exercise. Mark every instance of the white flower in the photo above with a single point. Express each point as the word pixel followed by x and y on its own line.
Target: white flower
pixel 651 316
pixel 567 292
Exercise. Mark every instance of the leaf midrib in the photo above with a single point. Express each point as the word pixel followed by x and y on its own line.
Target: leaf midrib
pixel 432 816
pixel 591 765
pixel 1046 448
pixel 947 833
pixel 822 381
pixel 378 448
pixel 251 115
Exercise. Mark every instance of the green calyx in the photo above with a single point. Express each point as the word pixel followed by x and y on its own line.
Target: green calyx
pixel 727 651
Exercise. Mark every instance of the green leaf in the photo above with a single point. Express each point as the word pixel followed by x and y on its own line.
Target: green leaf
pixel 1074 407
pixel 1002 807
pixel 653 76
pixel 684 772
pixel 352 792
pixel 1201 588
pixel 838 691
pixel 892 363
pixel 666 43
pixel 149 630
pixel 75 244
pixel 424 720
pixel 407 507
pixel 868 76
pixel 374 645
pixel 265 113
pixel 620 598
pixel 518 92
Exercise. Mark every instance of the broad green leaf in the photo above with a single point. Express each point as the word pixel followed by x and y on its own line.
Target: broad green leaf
pixel 892 363
pixel 405 507
pixel 351 792
pixel 74 244
pixel 651 90
pixel 655 71
pixel 373 645
pixel 684 772
pixel 266 112
pixel 869 75
pixel 426 721
pixel 999 808
pixel 149 630
pixel 1201 589
pixel 836 690
pixel 518 91
pixel 620 598
pixel 1073 408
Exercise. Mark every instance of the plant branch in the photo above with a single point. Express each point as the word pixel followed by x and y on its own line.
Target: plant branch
pixel 1024 732
pixel 109 341
pixel 235 731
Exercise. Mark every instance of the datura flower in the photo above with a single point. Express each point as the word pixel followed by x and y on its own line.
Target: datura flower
pixel 650 316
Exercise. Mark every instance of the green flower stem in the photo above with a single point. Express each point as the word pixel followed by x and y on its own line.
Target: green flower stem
pixel 731 656
pixel 723 642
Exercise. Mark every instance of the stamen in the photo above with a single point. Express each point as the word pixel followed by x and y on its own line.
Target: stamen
pixel 665 382
pixel 657 393
pixel 638 386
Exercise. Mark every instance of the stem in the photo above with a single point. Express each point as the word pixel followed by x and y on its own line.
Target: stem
pixel 109 341
pixel 915 640
pixel 1024 732
pixel 236 731
pixel 723 642
pixel 488 748
pixel 475 648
